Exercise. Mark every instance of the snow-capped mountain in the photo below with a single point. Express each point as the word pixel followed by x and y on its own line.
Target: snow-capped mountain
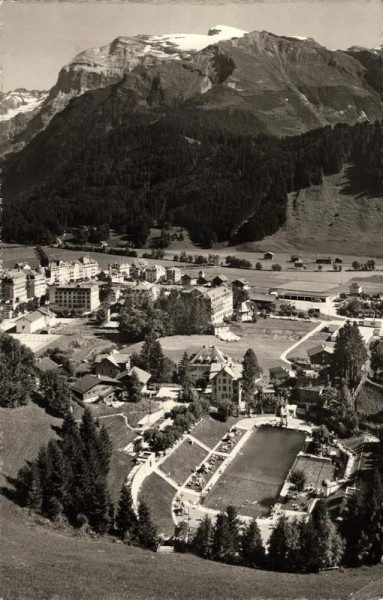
pixel 20 101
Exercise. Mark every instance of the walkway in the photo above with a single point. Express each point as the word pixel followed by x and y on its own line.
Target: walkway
pixel 299 342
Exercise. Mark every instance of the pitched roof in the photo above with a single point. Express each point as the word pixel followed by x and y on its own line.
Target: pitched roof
pixel 208 355
pixel 90 381
pixel 46 364
pixel 116 358
pixel 37 314
pixel 234 370
pixel 142 376
pixel 320 348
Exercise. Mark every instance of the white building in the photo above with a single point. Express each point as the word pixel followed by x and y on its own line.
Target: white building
pixel 173 274
pixel 306 295
pixel 14 287
pixel 38 319
pixel 155 273
pixel 226 383
pixel 36 285
pixel 84 297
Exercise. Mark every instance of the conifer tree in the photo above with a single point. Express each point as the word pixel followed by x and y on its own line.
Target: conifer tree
pixel 126 519
pixel 278 546
pixel 250 372
pixel 146 531
pixel 202 540
pixel 105 448
pixel 55 488
pixel 350 354
pixel 222 540
pixel 183 367
pixel 252 550
pixel 34 493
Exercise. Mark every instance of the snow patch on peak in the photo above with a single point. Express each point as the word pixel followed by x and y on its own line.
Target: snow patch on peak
pixel 196 41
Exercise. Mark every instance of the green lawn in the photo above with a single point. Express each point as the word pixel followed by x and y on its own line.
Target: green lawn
pixel 268 338
pixel 254 478
pixel 209 431
pixel 370 403
pixel 182 461
pixel 159 495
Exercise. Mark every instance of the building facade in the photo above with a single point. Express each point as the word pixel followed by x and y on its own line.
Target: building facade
pixel 81 297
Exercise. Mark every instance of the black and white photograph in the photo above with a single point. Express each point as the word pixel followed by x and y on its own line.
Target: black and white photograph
pixel 191 300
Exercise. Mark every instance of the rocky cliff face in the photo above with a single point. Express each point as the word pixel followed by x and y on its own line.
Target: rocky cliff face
pixel 17 108
pixel 289 85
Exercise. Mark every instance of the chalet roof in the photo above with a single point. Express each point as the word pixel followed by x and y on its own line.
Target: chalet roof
pixel 89 381
pixel 116 358
pixel 234 370
pixel 278 370
pixel 208 355
pixel 320 348
pixel 241 281
pixel 36 315
pixel 220 277
pixel 142 376
pixel 46 364
pixel 258 297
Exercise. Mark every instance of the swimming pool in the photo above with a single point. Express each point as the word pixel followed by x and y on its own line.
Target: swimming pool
pixel 253 480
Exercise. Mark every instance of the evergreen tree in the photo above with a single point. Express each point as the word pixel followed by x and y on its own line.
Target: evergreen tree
pixel 34 492
pixel 328 548
pixel 56 482
pixel 105 448
pixel 183 368
pixel 146 531
pixel 278 546
pixel 133 388
pixel 252 550
pixel 202 540
pixel 126 519
pixel 222 547
pixel 250 372
pixel 56 392
pixel 350 354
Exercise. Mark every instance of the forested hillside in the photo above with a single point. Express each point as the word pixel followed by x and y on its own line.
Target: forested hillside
pixel 184 168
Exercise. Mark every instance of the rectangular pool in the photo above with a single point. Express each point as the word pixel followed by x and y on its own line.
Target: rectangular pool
pixel 254 478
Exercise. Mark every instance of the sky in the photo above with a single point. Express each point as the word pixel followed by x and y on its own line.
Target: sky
pixel 38 39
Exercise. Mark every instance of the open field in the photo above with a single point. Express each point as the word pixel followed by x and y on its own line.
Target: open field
pixel 254 478
pixel 268 338
pixel 41 562
pixel 209 431
pixel 262 279
pixel 159 495
pixel 183 461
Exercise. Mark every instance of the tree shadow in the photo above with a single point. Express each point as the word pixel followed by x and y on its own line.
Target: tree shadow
pixel 353 185
pixel 12 491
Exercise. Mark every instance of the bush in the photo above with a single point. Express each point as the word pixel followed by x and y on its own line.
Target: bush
pixel 276 267
pixel 298 478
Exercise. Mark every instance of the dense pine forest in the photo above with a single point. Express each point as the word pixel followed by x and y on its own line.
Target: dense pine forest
pixel 179 169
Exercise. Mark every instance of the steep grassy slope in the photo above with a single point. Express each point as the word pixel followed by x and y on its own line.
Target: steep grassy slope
pixel 39 562
pixel 332 218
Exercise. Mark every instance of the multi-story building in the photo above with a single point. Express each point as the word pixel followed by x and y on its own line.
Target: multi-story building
pixel 60 271
pixel 112 364
pixel 84 297
pixel 14 287
pixel 173 274
pixel 36 285
pixel 142 292
pixel 205 362
pixel 226 384
pixel 155 273
pixel 120 269
pixel 220 303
